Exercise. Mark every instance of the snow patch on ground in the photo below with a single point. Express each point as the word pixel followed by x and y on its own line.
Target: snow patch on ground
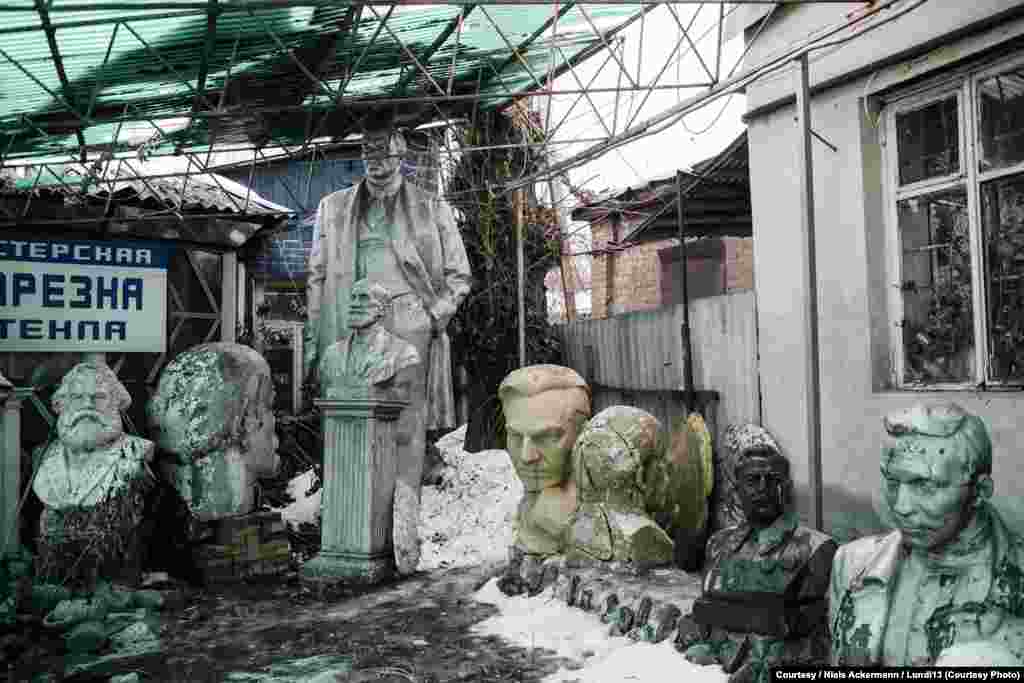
pixel 303 509
pixel 544 622
pixel 468 519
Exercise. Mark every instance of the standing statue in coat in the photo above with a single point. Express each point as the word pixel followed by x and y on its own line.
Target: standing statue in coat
pixel 951 573
pixel 388 230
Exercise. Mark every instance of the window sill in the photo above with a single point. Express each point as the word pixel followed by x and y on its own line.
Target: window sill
pixel 951 388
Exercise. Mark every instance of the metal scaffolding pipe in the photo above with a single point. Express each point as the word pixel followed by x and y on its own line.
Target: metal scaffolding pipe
pixel 812 360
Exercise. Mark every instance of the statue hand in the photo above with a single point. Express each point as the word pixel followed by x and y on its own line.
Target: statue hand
pixel 440 313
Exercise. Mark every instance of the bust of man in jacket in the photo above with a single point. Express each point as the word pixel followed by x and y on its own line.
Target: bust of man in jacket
pixel 951 572
pixel 369 361
pixel 766 579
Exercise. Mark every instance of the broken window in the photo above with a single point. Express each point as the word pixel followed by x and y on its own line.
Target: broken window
pixel 957 173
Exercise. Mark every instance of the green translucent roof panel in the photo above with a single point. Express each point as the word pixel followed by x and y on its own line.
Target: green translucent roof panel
pixel 175 74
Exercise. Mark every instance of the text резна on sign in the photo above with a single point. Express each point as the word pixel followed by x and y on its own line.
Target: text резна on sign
pixel 55 290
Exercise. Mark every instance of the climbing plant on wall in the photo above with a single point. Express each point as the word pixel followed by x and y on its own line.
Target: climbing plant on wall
pixel 484 332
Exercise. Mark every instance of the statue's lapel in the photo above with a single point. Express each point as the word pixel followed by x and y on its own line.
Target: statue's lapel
pixel 863 612
pixel 404 243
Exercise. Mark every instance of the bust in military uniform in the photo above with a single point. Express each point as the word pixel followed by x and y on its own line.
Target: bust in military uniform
pixel 763 600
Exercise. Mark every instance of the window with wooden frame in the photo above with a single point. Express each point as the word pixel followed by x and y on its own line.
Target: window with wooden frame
pixel 955 207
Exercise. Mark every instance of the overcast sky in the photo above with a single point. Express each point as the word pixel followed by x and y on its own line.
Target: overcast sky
pixel 702 134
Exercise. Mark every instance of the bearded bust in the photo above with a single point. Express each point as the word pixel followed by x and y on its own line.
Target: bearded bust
pixel 93 480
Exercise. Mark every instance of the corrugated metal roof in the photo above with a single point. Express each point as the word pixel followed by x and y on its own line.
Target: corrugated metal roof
pixel 226 71
pixel 208 192
pixel 730 167
pixel 717 200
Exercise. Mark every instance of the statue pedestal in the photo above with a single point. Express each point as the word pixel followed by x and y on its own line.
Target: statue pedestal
pixel 360 467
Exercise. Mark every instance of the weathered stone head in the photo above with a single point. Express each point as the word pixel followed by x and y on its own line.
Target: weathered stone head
pixel 545 407
pixel 763 484
pixel 88 404
pixel 369 304
pixel 612 453
pixel 609 462
pixel 936 472
pixel 737 441
pixel 383 149
pixel 213 409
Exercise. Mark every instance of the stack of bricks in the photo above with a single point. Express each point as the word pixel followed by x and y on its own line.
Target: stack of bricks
pixel 242 547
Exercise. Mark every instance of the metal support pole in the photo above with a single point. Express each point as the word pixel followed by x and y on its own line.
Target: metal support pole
pixel 812 375
pixel 10 464
pixel 518 199
pixel 229 296
pixel 685 331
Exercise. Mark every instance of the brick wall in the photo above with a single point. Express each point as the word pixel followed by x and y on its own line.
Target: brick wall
pixel 637 285
pixel 739 263
pixel 638 271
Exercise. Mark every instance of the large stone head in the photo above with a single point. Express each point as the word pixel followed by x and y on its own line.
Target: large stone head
pixel 763 483
pixel 612 452
pixel 545 407
pixel 214 397
pixel 936 472
pixel 383 149
pixel 369 303
pixel 88 404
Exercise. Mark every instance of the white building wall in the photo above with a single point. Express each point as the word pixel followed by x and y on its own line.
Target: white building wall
pixel 852 294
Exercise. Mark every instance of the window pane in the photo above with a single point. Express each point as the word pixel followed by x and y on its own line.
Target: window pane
pixel 938 325
pixel 928 140
pixel 1002 206
pixel 1001 108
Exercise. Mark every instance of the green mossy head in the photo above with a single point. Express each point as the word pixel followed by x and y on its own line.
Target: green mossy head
pixel 204 395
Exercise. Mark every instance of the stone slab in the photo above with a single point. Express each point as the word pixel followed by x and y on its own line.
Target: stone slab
pixel 642 605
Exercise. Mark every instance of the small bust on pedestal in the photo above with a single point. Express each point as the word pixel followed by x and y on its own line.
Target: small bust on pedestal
pixel 368 362
pixel 366 378
pixel 94 482
pixel 213 410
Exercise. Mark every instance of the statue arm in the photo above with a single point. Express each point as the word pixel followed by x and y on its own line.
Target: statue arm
pixel 457 275
pixel 836 590
pixel 314 294
pixel 818 571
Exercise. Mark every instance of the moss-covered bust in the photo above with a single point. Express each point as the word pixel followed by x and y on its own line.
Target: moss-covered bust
pixel 610 459
pixel 213 410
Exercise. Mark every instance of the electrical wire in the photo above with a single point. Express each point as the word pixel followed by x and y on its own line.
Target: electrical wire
pixel 775 64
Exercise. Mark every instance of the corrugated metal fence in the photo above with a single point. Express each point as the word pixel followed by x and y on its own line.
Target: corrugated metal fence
pixel 637 358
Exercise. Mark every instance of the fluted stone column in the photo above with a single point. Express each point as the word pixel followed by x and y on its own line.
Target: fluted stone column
pixel 360 467
pixel 10 465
